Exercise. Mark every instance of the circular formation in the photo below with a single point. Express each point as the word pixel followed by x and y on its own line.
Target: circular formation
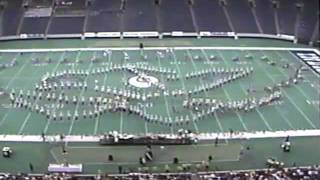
pixel 143 81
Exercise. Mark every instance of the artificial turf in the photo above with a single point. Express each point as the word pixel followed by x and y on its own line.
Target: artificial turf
pixel 293 111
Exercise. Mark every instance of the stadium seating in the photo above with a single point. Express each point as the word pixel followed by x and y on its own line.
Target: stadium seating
pixel 175 16
pixel 309 17
pixel 168 16
pixel 66 25
pixel 287 16
pixel 139 15
pixel 103 22
pixel 40 3
pixel 241 16
pixel 11 17
pixel 210 16
pixel 265 13
pixel 104 16
pixel 34 25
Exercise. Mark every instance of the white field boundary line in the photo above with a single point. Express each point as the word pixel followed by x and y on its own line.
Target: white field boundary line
pixel 164 48
pixel 207 136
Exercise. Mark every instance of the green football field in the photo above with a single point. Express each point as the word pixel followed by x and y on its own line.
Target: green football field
pixel 116 67
pixel 292 111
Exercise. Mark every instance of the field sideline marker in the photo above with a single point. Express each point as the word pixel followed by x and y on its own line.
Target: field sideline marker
pixel 203 136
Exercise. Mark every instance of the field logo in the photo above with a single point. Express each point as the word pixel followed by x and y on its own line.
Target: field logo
pixel 310 58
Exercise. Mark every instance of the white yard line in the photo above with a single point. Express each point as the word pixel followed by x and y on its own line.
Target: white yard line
pixel 145 123
pixel 54 156
pixel 215 114
pixel 77 58
pixel 16 74
pixel 49 120
pixel 146 127
pixel 165 98
pixel 228 96
pixel 24 123
pixel 288 97
pixel 121 113
pixel 121 123
pixel 205 92
pixel 104 83
pixel 256 109
pixel 297 87
pixel 14 57
pixel 284 117
pixel 183 86
pixel 14 77
pixel 78 103
pixel 4 117
pixel 276 108
pixel 29 114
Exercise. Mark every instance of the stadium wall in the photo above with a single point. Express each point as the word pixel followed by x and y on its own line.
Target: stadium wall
pixel 149 34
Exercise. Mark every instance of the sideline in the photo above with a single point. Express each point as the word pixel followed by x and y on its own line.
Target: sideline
pixel 202 136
